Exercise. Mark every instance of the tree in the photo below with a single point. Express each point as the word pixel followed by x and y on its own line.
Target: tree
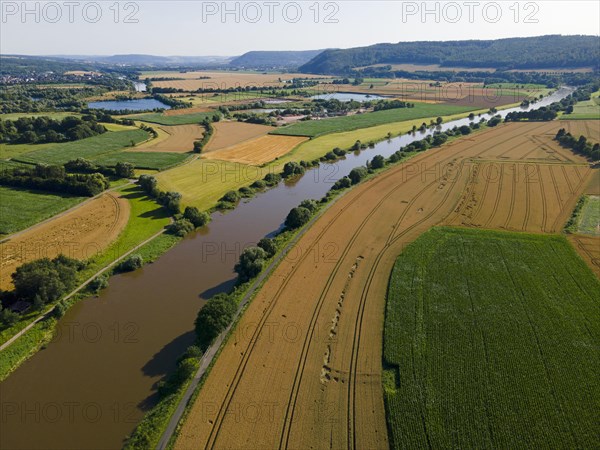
pixel 268 245
pixel 45 279
pixel 251 263
pixel 214 318
pixel 357 174
pixel 297 217
pixel 195 216
pixel 439 121
pixel 465 129
pixel 124 170
pixel 378 162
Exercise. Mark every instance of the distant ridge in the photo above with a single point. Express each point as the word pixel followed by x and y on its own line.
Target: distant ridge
pixel 274 59
pixel 552 51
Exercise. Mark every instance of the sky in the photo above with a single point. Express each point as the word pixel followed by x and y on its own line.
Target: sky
pixel 198 28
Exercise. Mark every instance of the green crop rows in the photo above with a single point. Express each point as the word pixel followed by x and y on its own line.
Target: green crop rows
pixel 491 341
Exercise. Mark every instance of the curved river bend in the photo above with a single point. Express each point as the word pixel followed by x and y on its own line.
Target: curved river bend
pixel 92 384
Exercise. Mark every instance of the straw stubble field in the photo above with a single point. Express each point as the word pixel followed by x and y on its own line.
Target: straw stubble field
pixel 322 383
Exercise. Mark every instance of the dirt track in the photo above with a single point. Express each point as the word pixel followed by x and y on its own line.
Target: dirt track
pixel 303 369
pixel 79 234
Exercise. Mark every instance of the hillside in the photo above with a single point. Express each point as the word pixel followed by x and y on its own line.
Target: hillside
pixel 552 51
pixel 270 59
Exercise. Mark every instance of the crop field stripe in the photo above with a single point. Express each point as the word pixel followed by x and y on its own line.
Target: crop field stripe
pixel 300 370
pixel 513 192
pixel 224 406
pixel 544 200
pixel 358 324
pixel 498 196
pixel 517 136
pixel 564 171
pixel 363 299
pixel 485 190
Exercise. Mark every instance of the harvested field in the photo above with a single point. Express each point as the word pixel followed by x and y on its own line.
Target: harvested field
pixel 258 151
pixel 80 234
pixel 588 128
pixel 310 342
pixel 179 139
pixel 224 80
pixel 227 134
pixel 459 94
pixel 526 182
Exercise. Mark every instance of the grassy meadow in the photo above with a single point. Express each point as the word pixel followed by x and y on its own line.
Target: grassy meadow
pixel 314 128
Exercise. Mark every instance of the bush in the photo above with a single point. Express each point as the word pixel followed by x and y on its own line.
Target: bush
pixel 196 217
pixel 272 179
pixel 214 318
pixel 357 174
pixel 311 205
pixel 342 183
pixel 59 310
pixel 98 283
pixel 180 227
pixel 130 264
pixel 251 263
pixel 297 217
pixel 246 192
pixel 291 169
pixel 269 246
pixel 231 197
pixel 259 184
pixel 124 170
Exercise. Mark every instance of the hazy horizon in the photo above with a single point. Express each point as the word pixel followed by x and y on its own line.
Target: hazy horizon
pixel 193 28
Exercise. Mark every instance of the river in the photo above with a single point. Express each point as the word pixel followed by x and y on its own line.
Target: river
pixel 93 383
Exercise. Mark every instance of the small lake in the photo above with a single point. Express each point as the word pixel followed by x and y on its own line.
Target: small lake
pixel 347 96
pixel 142 104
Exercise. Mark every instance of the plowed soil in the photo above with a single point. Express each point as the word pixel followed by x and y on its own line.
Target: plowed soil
pixel 303 369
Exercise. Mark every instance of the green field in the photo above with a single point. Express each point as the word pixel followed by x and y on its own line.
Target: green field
pixel 590 216
pixel 589 109
pixel 56 115
pixel 491 341
pixel 22 208
pixel 143 160
pixel 313 128
pixel 90 148
pixel 182 119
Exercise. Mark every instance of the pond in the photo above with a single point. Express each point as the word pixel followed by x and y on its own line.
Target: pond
pixel 348 96
pixel 142 104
